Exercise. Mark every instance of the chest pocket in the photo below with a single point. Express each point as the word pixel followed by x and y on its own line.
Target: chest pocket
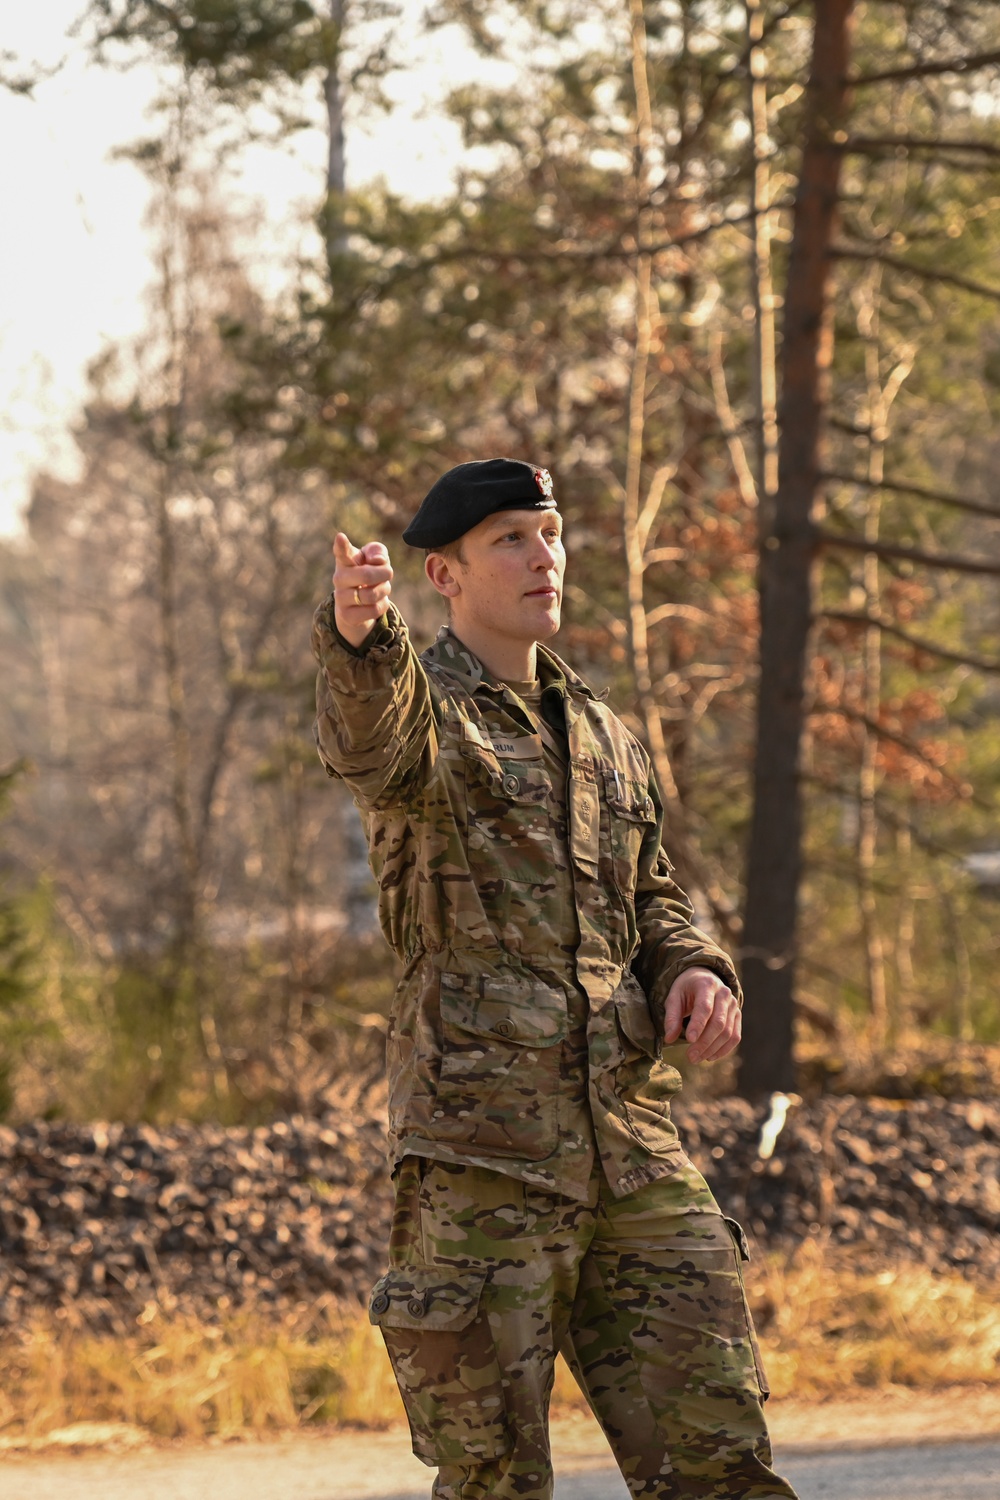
pixel 500 1061
pixel 514 778
pixel 632 815
pixel 508 806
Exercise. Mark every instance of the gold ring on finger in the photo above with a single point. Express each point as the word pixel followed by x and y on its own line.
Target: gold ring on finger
pixel 357 595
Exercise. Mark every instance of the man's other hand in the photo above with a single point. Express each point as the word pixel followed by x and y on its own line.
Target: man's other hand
pixel 362 583
pixel 715 1024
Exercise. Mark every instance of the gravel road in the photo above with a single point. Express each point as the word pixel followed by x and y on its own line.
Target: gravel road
pixel 960 1471
pixel 312 1470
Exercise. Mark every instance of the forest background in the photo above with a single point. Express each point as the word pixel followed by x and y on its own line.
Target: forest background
pixel 729 272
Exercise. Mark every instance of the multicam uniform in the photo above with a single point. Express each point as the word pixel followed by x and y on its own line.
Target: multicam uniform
pixel 543 1198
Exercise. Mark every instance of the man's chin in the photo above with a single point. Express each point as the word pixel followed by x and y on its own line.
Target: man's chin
pixel 549 624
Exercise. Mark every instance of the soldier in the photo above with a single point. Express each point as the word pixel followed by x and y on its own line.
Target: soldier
pixel 543 1200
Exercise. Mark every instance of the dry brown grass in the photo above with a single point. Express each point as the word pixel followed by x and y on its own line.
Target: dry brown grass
pixel 827 1330
pixel 185 1379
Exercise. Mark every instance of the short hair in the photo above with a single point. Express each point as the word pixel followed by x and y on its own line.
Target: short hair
pixel 449 550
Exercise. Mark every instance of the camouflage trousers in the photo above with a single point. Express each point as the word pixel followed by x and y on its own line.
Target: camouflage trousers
pixel 489 1278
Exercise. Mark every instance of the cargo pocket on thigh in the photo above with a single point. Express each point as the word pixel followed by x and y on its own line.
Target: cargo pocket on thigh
pixel 445 1362
pixel 742 1250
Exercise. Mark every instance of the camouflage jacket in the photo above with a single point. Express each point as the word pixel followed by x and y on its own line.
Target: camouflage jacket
pixel 511 1046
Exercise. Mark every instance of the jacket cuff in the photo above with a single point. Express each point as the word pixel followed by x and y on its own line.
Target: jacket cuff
pixel 379 641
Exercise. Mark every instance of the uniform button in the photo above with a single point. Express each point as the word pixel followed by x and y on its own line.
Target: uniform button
pixel 380 1304
pixel 415 1308
pixel 504 1028
pixel 511 784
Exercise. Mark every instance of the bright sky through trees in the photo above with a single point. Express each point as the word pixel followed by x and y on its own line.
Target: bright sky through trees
pixel 74 252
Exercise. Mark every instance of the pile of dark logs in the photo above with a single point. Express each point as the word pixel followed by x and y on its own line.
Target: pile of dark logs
pixel 109 1221
pixel 106 1222
pixel 915 1180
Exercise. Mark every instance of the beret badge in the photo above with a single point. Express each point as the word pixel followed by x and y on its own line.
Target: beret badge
pixel 544 481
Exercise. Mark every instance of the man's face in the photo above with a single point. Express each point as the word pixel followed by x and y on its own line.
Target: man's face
pixel 510 575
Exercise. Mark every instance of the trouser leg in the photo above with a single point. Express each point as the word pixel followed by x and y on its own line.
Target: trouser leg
pixel 490 1270
pixel 661 1341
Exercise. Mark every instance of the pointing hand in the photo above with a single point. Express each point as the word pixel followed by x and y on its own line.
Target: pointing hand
pixel 362 582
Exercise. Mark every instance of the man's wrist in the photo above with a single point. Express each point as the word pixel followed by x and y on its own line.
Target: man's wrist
pixel 352 641
pixel 354 636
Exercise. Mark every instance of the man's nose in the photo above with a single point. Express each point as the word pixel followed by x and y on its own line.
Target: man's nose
pixel 545 556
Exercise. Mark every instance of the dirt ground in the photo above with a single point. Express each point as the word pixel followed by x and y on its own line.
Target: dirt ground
pixel 378 1463
pixel 577 1445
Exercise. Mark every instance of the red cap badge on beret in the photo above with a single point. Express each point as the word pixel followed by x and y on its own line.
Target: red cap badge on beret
pixel 544 481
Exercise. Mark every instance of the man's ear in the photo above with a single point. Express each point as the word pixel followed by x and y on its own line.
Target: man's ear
pixel 438 570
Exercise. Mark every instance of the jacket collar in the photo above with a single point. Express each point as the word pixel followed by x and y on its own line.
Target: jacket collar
pixel 449 653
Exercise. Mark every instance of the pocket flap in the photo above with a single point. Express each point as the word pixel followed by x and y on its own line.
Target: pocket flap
pixel 507 1008
pixel 518 781
pixel 629 799
pixel 634 1016
pixel 426 1297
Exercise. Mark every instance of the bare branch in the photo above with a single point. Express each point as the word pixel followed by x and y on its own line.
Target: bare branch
pixel 970 64
pixel 928 273
pixel 730 430
pixel 675 612
pixel 901 487
pixel 561 250
pixel 861 144
pixel 952 561
pixel 654 499
pixel 614 626
pixel 981 663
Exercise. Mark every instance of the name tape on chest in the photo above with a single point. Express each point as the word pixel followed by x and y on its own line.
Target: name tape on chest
pixel 507 747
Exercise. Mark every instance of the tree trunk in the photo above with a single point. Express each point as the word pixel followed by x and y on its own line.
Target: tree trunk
pixel 359 902
pixel 880 398
pixel 333 94
pixel 641 505
pixel 635 532
pixel 764 360
pixel 906 979
pixel 774 865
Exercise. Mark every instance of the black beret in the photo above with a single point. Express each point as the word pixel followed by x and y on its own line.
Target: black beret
pixel 470 492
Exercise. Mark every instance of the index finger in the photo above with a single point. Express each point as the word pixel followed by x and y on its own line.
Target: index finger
pixel 345 552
